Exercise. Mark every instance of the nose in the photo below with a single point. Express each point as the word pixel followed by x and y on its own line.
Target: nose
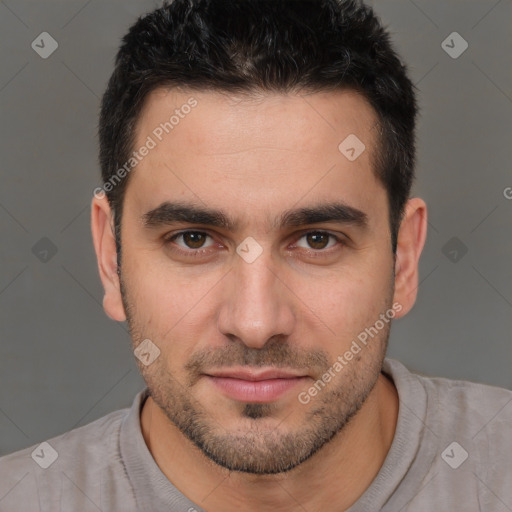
pixel 257 305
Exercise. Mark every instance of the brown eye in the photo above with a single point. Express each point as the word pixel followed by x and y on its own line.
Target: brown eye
pixel 320 242
pixel 317 240
pixel 191 239
pixel 194 239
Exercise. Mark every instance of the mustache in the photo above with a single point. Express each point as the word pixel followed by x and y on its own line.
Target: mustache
pixel 275 353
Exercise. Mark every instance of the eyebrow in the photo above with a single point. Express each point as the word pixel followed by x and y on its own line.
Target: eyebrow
pixel 330 212
pixel 172 212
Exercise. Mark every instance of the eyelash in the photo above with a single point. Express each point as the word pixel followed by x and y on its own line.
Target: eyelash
pixel 194 253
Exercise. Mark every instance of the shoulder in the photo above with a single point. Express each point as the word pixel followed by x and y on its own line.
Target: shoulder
pixel 466 429
pixel 81 442
pixel 452 402
pixel 474 416
pixel 75 459
pixel 480 408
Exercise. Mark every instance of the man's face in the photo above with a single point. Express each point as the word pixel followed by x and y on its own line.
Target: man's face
pixel 278 288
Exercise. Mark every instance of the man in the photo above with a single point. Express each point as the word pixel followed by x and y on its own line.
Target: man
pixel 255 230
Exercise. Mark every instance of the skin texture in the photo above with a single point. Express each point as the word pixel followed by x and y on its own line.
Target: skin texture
pixel 298 306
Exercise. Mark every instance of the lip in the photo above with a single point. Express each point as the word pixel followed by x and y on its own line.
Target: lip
pixel 255 385
pixel 255 374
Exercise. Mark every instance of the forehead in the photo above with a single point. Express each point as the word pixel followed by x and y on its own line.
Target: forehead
pixel 227 119
pixel 271 150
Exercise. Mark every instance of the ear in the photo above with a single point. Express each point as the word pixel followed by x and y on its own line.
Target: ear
pixel 411 239
pixel 102 224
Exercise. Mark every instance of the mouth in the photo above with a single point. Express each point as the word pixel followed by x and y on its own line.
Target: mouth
pixel 255 385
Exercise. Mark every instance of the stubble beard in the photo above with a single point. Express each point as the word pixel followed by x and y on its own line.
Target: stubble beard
pixel 258 448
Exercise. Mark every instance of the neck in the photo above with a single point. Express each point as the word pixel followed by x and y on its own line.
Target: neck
pixel 340 472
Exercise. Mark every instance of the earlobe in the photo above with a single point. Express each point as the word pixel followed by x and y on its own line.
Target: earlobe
pixel 106 254
pixel 411 239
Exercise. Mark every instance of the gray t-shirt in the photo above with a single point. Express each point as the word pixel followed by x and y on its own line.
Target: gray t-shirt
pixel 452 451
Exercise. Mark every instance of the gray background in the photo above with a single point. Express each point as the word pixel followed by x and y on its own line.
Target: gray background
pixel 63 363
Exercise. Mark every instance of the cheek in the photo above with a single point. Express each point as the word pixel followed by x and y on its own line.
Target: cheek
pixel 350 303
pixel 170 306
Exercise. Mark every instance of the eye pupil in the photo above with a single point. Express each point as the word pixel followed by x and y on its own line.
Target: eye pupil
pixel 318 240
pixel 194 239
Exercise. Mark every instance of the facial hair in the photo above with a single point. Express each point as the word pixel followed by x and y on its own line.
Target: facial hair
pixel 256 448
